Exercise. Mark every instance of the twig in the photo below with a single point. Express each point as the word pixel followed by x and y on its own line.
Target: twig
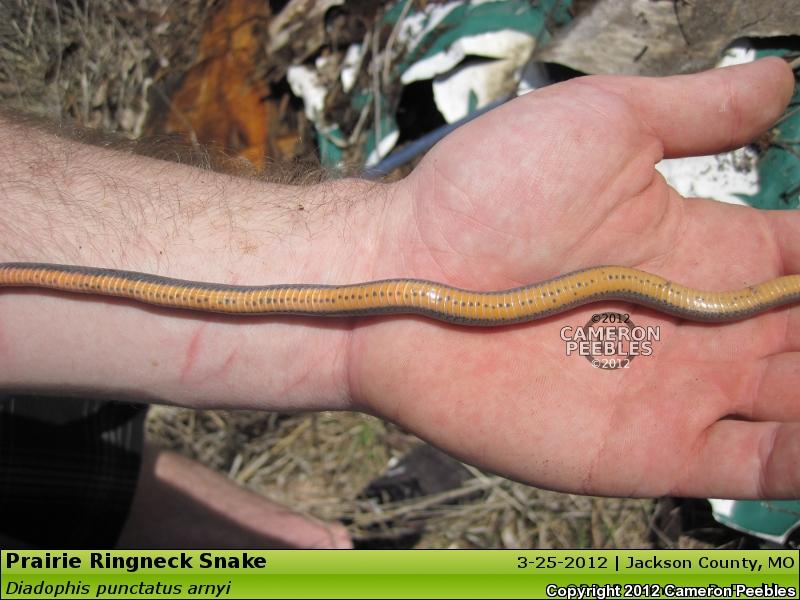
pixel 362 119
pixel 387 59
pixel 678 21
pixel 252 467
pixel 466 489
pixel 181 116
pixel 376 91
pixel 59 52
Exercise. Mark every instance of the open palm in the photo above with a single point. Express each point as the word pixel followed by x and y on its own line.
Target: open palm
pixel 564 179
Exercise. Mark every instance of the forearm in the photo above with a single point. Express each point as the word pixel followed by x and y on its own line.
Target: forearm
pixel 69 203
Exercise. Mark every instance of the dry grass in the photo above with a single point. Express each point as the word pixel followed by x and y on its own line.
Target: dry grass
pixel 320 463
pixel 97 64
pixel 94 63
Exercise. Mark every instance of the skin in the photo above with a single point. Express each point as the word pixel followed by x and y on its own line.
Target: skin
pixel 554 181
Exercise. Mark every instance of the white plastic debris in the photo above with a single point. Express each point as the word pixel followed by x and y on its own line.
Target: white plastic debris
pixel 351 65
pixel 305 83
pixel 387 142
pixel 504 44
pixel 721 176
pixel 483 81
pixel 415 27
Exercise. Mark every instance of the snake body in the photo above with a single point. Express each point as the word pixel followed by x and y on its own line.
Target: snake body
pixel 414 296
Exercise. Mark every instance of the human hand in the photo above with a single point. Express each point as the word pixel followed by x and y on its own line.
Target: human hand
pixel 563 179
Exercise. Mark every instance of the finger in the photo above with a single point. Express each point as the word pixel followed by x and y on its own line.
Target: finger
pixel 726 247
pixel 784 226
pixel 712 111
pixel 776 398
pixel 739 459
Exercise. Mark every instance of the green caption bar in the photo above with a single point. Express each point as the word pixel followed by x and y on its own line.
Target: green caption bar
pixel 400 574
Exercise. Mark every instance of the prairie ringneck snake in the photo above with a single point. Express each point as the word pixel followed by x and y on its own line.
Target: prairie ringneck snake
pixel 414 296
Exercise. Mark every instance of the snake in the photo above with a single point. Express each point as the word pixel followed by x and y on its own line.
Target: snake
pixel 414 296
